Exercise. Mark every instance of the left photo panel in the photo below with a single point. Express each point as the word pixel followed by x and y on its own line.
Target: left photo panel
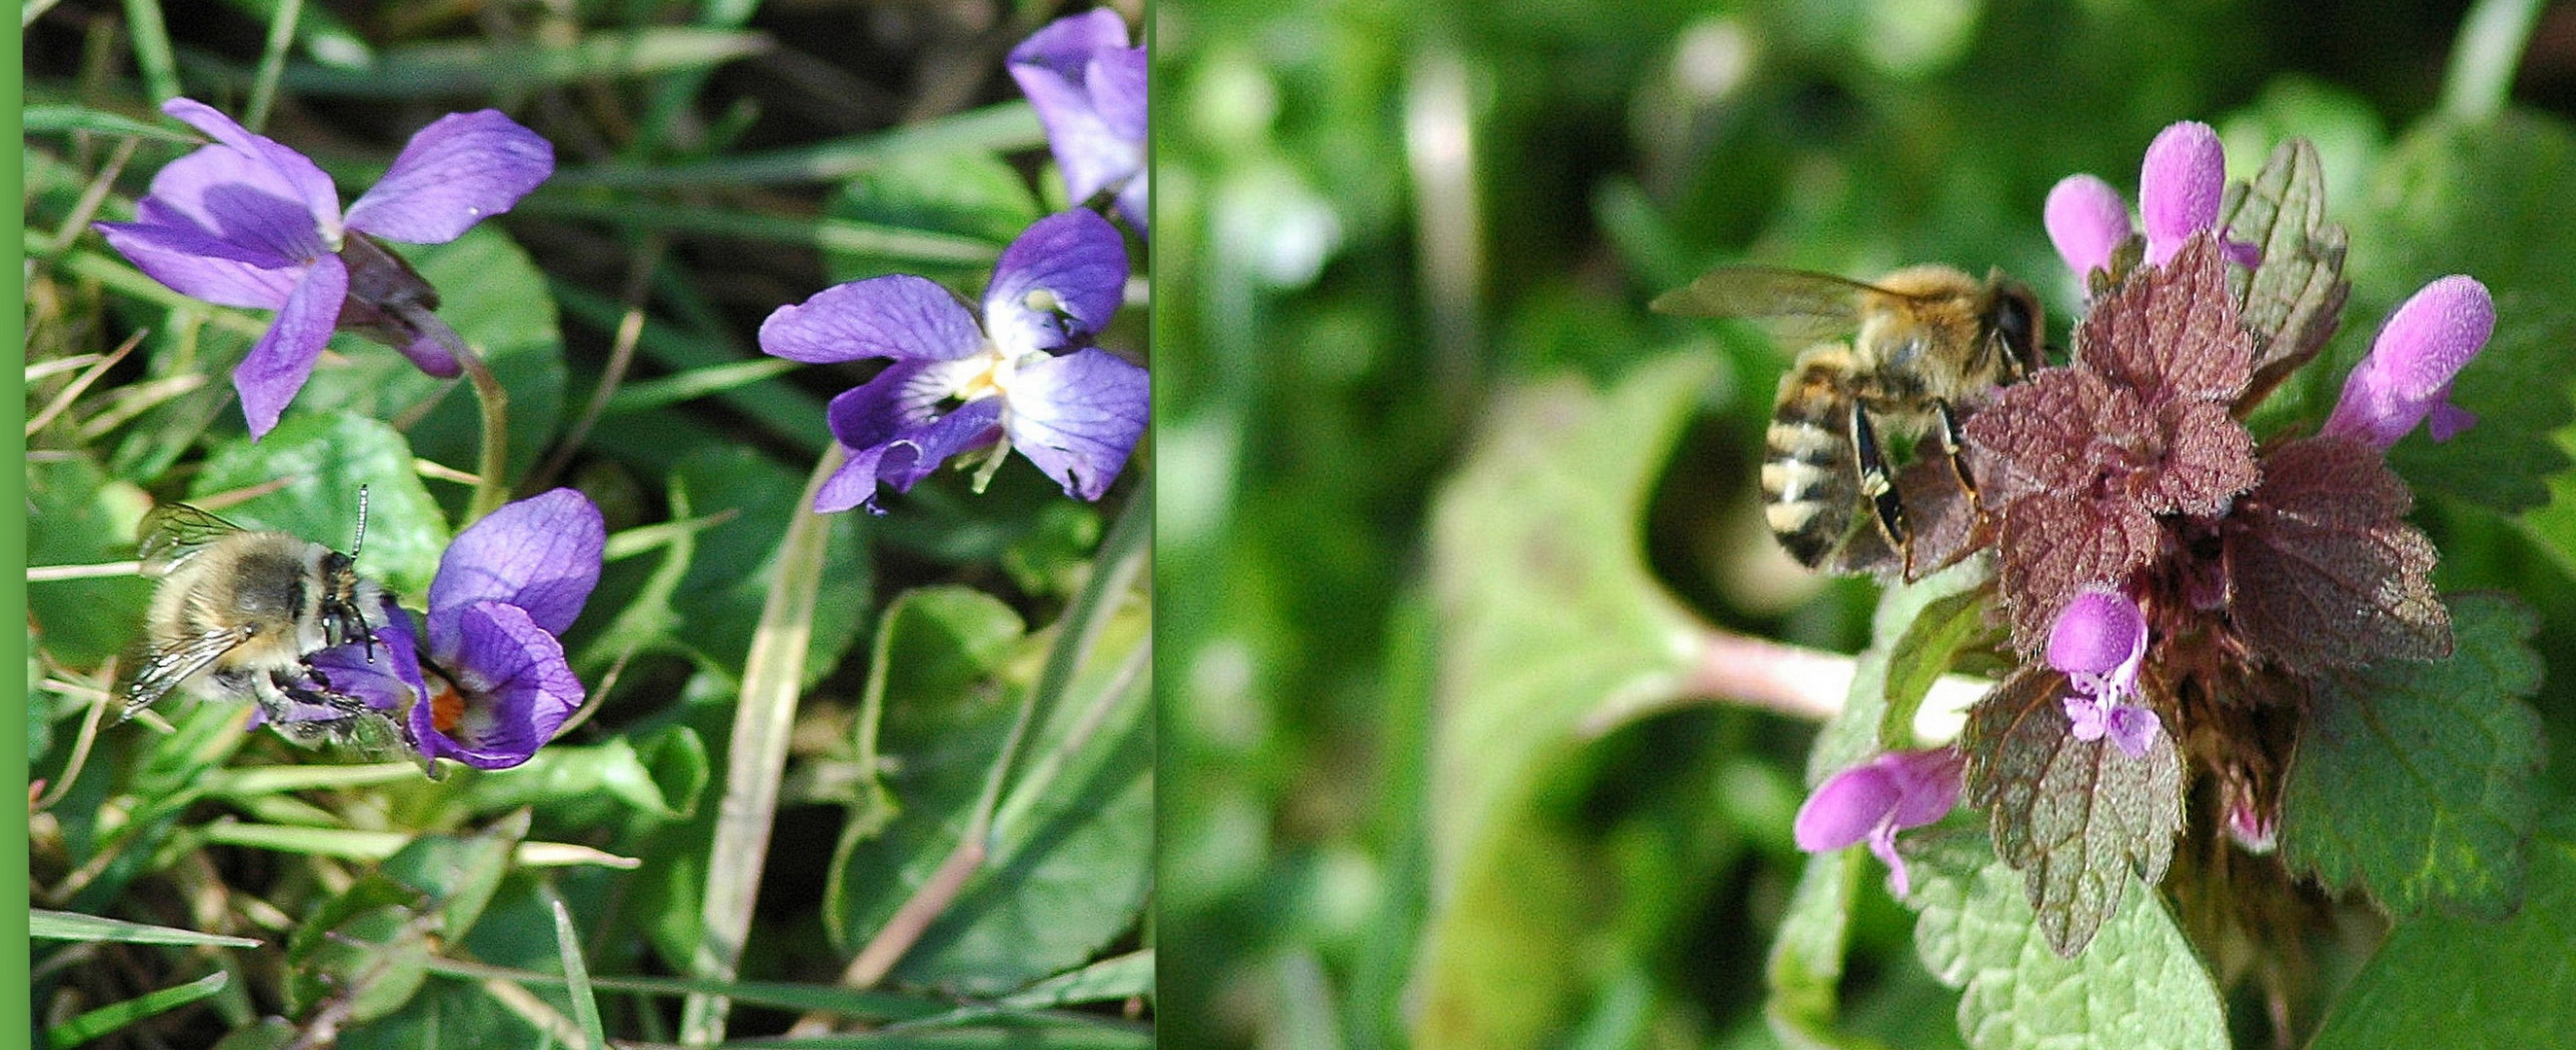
pixel 570 524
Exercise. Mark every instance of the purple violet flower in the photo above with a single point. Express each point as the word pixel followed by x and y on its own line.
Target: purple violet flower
pixel 2407 376
pixel 494 685
pixel 1088 87
pixel 247 222
pixel 2099 642
pixel 1873 801
pixel 2180 189
pixel 955 387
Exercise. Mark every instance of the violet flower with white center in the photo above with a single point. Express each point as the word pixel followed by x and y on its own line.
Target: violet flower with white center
pixel 2407 376
pixel 2181 186
pixel 494 684
pixel 247 222
pixel 1873 801
pixel 1024 379
pixel 2099 641
pixel 1088 88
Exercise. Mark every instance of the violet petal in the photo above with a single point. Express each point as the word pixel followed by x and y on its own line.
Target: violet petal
pixel 855 483
pixel 541 554
pixel 920 450
pixel 517 688
pixel 282 360
pixel 391 680
pixel 279 171
pixel 1078 416
pixel 196 264
pixel 2086 220
pixel 1064 45
pixel 2180 187
pixel 904 395
pixel 1060 281
pixel 899 316
pixel 461 169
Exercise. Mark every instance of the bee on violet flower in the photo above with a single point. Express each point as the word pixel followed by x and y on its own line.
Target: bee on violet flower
pixel 493 684
pixel 246 222
pixel 1026 378
pixel 1088 87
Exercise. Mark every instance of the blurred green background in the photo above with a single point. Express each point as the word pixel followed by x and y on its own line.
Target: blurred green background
pixel 1405 250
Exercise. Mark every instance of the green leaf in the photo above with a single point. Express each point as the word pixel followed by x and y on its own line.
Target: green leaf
pixel 1117 977
pixel 1549 618
pixel 369 946
pixel 110 1018
pixel 481 69
pixel 323 458
pixel 1806 967
pixel 1920 629
pixel 973 194
pixel 2495 200
pixel 2458 981
pixel 719 600
pixel 78 516
pixel 2294 300
pixel 2414 780
pixel 2081 820
pixel 585 1005
pixel 63 119
pixel 662 780
pixel 2140 985
pixel 458 873
pixel 493 295
pixel 68 926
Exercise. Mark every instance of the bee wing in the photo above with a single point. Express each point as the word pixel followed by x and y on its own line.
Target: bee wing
pixel 166 666
pixel 1799 305
pixel 174 532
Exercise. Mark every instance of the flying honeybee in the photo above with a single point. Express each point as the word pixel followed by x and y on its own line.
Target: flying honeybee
pixel 1907 354
pixel 239 613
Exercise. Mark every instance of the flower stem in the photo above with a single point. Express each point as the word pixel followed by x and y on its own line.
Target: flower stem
pixel 272 63
pixel 773 673
pixel 2483 59
pixel 491 480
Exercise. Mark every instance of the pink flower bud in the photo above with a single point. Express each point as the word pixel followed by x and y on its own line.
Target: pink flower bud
pixel 2180 187
pixel 2086 219
pixel 2407 376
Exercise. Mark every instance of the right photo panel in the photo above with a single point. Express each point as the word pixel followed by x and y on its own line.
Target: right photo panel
pixel 1942 523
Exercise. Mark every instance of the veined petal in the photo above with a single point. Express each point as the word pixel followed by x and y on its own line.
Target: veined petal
pixel 516 687
pixel 911 457
pixel 906 395
pixel 460 169
pixel 541 554
pixel 387 676
pixel 240 200
pixel 197 265
pixel 283 359
pixel 1116 80
pixel 899 316
pixel 1060 281
pixel 2180 187
pixel 2086 219
pixel 282 171
pixel 1065 44
pixel 1078 416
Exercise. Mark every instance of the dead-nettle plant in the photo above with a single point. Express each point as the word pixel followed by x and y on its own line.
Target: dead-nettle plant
pixel 2234 680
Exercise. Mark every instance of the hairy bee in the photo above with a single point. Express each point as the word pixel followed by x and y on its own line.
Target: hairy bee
pixel 1907 354
pixel 240 612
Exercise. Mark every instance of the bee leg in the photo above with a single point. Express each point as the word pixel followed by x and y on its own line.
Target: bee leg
pixel 1878 484
pixel 1954 442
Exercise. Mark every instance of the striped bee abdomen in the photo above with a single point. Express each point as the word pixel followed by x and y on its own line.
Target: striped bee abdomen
pixel 1810 484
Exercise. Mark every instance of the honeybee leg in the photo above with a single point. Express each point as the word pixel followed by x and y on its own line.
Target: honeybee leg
pixel 1954 442
pixel 1878 484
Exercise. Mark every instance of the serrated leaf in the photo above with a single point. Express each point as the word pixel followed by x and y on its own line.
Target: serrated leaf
pixel 323 457
pixel 2324 568
pixel 2139 986
pixel 2448 980
pixel 2080 819
pixel 2295 298
pixel 2414 780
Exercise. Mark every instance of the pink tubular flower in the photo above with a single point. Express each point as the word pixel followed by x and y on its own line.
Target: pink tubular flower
pixel 2180 189
pixel 1873 801
pixel 2099 642
pixel 2086 219
pixel 2407 376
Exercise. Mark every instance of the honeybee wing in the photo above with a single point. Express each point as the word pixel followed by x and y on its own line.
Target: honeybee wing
pixel 164 667
pixel 174 532
pixel 1799 305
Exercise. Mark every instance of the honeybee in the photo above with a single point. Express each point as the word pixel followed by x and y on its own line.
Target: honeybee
pixel 240 612
pixel 1909 353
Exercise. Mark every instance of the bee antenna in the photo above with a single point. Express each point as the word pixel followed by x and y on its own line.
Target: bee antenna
pixel 360 543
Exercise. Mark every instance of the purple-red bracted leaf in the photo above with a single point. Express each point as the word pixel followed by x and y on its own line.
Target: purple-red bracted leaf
pixel 2051 549
pixel 2324 569
pixel 2075 817
pixel 2171 332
